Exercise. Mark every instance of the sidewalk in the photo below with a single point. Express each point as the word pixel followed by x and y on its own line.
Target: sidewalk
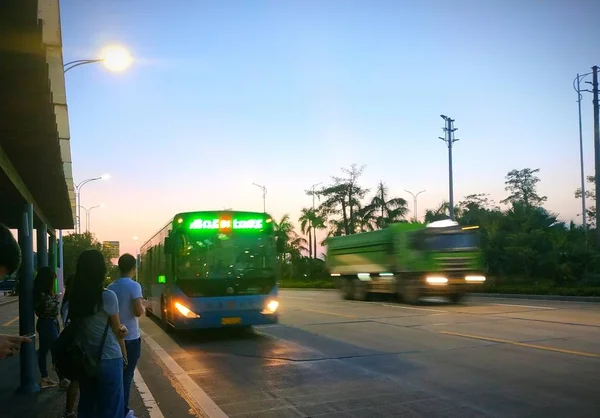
pixel 4 299
pixel 48 403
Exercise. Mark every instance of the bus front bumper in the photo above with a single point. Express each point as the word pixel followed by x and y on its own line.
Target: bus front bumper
pixel 230 319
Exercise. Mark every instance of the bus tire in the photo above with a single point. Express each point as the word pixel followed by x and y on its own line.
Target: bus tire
pixel 164 317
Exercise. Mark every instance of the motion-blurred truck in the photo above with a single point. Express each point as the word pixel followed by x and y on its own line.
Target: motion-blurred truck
pixel 411 260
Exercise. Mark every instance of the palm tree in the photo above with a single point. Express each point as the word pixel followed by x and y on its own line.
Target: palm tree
pixel 294 245
pixel 382 210
pixel 307 220
pixel 283 229
pixel 318 223
pixel 440 213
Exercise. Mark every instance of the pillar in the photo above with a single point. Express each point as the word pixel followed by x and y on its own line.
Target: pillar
pixel 26 310
pixel 53 257
pixel 42 246
pixel 60 264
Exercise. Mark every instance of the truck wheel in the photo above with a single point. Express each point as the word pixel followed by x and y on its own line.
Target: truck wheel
pixel 347 289
pixel 360 290
pixel 457 298
pixel 411 295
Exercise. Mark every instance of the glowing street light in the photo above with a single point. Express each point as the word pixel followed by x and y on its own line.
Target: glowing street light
pixel 114 57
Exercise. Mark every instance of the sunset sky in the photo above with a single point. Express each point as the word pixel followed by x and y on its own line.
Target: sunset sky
pixel 284 93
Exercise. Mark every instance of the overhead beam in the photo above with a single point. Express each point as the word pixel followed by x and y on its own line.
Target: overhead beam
pixel 12 174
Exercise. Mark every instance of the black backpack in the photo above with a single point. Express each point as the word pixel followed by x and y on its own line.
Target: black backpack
pixel 72 358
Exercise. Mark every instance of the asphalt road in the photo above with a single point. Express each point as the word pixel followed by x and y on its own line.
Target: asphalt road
pixel 333 358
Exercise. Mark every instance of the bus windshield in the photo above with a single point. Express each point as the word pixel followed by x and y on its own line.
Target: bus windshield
pixel 217 256
pixel 449 242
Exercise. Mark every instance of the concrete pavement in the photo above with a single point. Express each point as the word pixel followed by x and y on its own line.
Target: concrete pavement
pixel 333 358
pixel 48 403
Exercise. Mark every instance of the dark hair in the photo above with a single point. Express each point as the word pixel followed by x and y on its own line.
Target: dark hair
pixel 68 284
pixel 127 263
pixel 43 283
pixel 10 252
pixel 86 289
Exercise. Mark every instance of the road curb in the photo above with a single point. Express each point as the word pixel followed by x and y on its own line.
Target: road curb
pixel 203 404
pixel 588 299
pixel 9 302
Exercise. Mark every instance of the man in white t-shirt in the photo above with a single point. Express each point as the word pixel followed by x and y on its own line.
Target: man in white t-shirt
pixel 131 307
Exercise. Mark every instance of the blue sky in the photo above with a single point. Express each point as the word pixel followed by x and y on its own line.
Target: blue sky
pixel 285 93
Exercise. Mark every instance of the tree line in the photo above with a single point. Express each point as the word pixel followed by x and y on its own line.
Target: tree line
pixel 522 242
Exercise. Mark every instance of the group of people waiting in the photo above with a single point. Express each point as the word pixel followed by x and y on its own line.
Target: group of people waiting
pixel 108 319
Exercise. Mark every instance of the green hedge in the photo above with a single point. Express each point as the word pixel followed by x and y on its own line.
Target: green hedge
pixel 543 290
pixel 539 288
pixel 307 284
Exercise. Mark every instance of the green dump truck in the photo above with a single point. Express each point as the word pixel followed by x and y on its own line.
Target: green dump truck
pixel 410 260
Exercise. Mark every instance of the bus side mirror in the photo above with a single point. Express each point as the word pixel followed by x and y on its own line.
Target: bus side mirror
pixel 280 245
pixel 168 246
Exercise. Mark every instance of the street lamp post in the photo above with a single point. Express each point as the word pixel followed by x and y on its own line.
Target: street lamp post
pixel 264 190
pixel 88 215
pixel 78 188
pixel 314 231
pixel 137 257
pixel 577 87
pixel 415 196
pixel 72 64
pixel 449 140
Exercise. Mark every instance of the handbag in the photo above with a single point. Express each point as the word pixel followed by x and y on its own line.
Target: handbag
pixel 71 355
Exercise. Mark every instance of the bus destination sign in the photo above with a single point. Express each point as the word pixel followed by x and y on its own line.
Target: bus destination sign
pixel 227 224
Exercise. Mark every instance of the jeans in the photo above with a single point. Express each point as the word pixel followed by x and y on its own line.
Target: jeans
pixel 134 348
pixel 102 397
pixel 47 329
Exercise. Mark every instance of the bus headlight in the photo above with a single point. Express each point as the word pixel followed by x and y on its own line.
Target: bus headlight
pixel 436 280
pixel 271 307
pixel 185 311
pixel 475 279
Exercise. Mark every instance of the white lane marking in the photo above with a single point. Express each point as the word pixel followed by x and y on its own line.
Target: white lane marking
pixel 525 306
pixel 295 297
pixel 416 309
pixel 197 395
pixel 146 395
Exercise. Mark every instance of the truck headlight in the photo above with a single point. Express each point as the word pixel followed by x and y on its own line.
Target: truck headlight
pixel 185 311
pixel 475 279
pixel 271 307
pixel 436 280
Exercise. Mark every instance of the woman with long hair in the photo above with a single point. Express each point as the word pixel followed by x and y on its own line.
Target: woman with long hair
pixel 46 309
pixel 97 311
pixel 73 388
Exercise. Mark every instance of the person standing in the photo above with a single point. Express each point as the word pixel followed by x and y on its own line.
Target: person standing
pixel 132 306
pixel 96 311
pixel 73 388
pixel 46 309
pixel 10 260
